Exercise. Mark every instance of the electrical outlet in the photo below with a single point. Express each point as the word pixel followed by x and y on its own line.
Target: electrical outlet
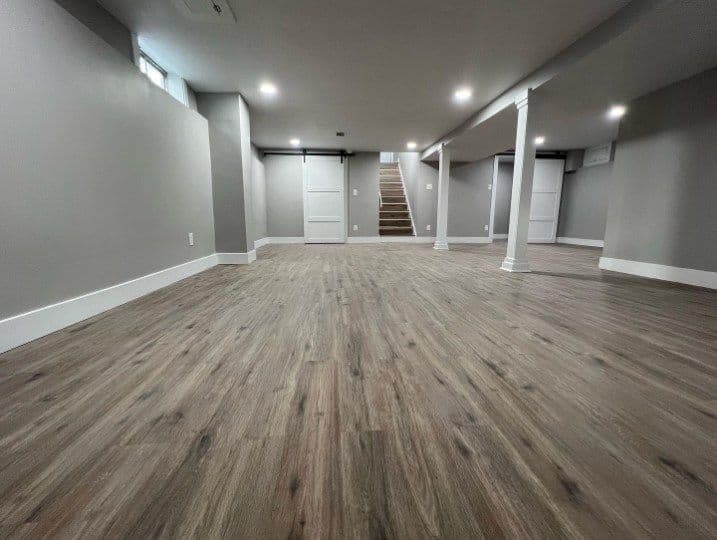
pixel 428 227
pixel 429 187
pixel 190 238
pixel 355 192
pixel 355 227
pixel 485 227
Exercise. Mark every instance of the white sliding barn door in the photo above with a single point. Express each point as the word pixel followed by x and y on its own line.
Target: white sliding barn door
pixel 324 200
pixel 545 202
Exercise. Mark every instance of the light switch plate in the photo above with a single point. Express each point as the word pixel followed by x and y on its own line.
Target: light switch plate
pixel 429 186
pixel 355 227
pixel 428 227
pixel 190 238
pixel 355 192
pixel 485 227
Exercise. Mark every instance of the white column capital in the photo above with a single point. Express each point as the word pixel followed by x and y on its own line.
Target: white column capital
pixel 523 98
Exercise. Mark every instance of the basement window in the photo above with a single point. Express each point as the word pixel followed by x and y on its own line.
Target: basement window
pixel 154 73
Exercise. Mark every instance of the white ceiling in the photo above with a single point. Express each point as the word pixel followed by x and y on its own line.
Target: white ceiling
pixel 673 42
pixel 382 71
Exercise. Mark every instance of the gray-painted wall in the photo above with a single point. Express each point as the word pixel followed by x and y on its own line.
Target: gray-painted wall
pixel 284 196
pixel 363 207
pixel 663 192
pixel 104 174
pixel 231 169
pixel 503 187
pixel 583 205
pixel 416 176
pixel 102 23
pixel 469 198
pixel 258 182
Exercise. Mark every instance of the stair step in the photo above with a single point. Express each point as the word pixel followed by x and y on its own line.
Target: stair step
pixel 394 215
pixel 394 206
pixel 405 222
pixel 395 231
pixel 393 199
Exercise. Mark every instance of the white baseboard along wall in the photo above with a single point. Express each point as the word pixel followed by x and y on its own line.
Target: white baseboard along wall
pixel 580 241
pixel 688 276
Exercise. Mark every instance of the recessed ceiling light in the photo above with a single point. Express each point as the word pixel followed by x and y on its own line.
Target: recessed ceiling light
pixel 295 142
pixel 616 111
pixel 411 145
pixel 268 89
pixel 539 140
pixel 463 94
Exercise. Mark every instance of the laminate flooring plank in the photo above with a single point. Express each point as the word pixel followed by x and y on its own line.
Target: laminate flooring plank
pixel 372 391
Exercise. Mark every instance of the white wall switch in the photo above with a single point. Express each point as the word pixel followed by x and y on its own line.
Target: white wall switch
pixel 355 227
pixel 355 192
pixel 490 186
pixel 485 227
pixel 428 227
pixel 190 237
pixel 429 187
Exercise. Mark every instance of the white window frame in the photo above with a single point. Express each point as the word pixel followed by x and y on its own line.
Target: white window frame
pixel 147 65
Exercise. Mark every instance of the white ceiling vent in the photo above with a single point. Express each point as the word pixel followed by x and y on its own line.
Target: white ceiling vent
pixel 218 11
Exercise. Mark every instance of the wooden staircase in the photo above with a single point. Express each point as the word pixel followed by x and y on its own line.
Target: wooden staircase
pixel 394 218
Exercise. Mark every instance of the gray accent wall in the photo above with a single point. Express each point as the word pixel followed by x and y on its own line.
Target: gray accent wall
pixel 503 187
pixel 258 183
pixel 663 193
pixel 583 204
pixel 363 207
pixel 103 174
pixel 469 198
pixel 416 176
pixel 229 135
pixel 284 195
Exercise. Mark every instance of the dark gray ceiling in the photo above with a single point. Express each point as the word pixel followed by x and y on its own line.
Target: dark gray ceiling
pixel 672 42
pixel 383 71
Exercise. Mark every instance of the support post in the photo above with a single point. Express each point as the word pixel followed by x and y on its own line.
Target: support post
pixel 444 171
pixel 516 258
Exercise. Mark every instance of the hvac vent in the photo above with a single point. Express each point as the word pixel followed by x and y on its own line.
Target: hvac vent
pixel 218 11
pixel 598 155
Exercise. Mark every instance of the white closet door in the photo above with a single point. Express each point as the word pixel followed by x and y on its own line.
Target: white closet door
pixel 324 206
pixel 545 202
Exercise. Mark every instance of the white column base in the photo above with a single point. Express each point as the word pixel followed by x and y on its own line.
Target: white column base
pixel 237 258
pixel 512 265
pixel 440 245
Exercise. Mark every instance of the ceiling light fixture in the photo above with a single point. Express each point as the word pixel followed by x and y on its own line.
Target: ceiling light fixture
pixel 463 94
pixel 268 89
pixel 616 112
pixel 539 140
pixel 295 142
pixel 411 145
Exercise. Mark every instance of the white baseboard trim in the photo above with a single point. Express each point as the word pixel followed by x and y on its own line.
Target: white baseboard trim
pixel 25 327
pixel 688 276
pixel 580 241
pixel 279 240
pixel 469 240
pixel 416 239
pixel 500 237
pixel 390 239
pixel 236 258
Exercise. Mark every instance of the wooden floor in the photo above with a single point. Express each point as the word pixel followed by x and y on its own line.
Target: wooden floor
pixel 369 392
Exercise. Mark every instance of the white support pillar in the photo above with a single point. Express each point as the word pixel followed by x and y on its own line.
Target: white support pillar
pixel 444 171
pixel 516 258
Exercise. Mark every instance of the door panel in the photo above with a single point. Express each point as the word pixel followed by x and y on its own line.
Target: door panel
pixel 545 201
pixel 324 202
